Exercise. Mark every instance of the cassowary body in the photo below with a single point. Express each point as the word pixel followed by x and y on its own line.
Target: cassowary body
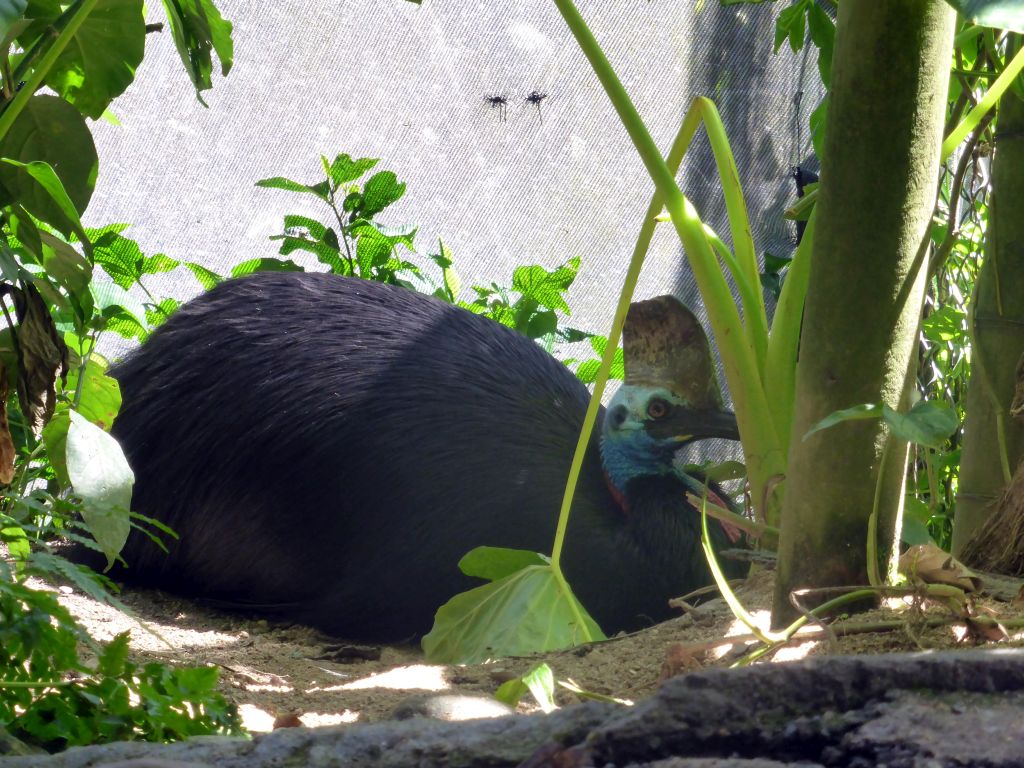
pixel 329 448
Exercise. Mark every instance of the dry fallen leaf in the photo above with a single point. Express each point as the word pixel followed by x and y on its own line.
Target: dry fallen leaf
pixel 678 659
pixel 288 720
pixel 42 356
pixel 928 564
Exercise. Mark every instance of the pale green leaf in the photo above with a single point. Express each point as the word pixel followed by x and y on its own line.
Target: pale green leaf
pixel 102 479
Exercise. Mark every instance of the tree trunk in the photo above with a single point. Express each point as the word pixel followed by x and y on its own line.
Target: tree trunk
pixel 890 74
pixel 997 330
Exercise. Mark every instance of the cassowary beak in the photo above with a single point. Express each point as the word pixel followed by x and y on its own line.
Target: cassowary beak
pixel 685 425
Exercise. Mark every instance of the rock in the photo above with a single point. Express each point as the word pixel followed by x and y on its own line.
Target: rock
pixel 901 711
pixel 451 707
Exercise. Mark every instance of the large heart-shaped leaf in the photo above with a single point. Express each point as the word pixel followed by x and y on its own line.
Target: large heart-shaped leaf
pixel 527 611
pixel 49 131
pixel 99 62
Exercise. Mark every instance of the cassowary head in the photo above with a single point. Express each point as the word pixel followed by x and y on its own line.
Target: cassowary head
pixel 670 396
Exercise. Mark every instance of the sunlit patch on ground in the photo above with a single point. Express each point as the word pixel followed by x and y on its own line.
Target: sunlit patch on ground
pixel 416 677
pixel 763 620
pixel 795 652
pixel 106 622
pixel 257 720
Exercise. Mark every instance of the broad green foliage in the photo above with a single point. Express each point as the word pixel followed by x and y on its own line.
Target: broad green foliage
pixel 49 130
pixel 103 481
pixel 1001 14
pixel 57 461
pixel 50 697
pixel 526 608
pixel 927 423
pixel 355 242
pixel 100 61
pixel 200 31
pixel 539 681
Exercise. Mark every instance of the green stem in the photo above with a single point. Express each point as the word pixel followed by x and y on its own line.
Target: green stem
pixel 784 342
pixel 743 241
pixel 874 578
pixel 998 88
pixel 728 595
pixel 643 243
pixel 740 521
pixel 34 80
pixel 788 632
pixel 764 457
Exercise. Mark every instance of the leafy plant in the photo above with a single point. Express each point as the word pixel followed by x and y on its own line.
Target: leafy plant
pixel 56 401
pixel 50 697
pixel 356 243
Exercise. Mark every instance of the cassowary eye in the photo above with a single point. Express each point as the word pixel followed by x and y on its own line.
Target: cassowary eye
pixel 657 408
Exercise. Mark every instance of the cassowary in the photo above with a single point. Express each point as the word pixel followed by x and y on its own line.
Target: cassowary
pixel 329 448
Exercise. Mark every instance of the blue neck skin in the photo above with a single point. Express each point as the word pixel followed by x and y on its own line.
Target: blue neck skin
pixel 635 454
pixel 628 451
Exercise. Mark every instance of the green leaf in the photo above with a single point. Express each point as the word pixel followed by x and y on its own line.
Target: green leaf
pixel 199 29
pixel 544 287
pixel 790 26
pixel 528 611
pixel 718 473
pixel 1000 14
pixel 449 277
pixel 101 477
pixel 915 522
pixel 587 371
pixel 55 438
pixel 493 563
pixel 206 278
pixel 112 300
pixel 50 163
pixel 541 324
pixel 123 259
pixel 280 182
pixel 24 229
pixel 373 249
pixel 947 323
pixel 306 234
pixel 10 12
pixel 541 682
pixel 572 335
pixel 99 62
pixel 511 691
pixel 100 398
pixel 818 121
pixel 161 311
pixel 71 271
pixel 928 423
pixel 345 170
pixel 265 265
pixel 823 35
pixel 380 191
pixel 857 412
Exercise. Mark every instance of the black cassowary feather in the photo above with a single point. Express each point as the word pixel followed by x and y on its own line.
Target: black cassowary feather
pixel 329 448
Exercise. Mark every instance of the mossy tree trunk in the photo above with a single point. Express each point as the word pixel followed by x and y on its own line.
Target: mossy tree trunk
pixel 890 73
pixel 997 336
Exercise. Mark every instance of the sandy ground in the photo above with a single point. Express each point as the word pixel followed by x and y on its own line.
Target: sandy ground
pixel 303 677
